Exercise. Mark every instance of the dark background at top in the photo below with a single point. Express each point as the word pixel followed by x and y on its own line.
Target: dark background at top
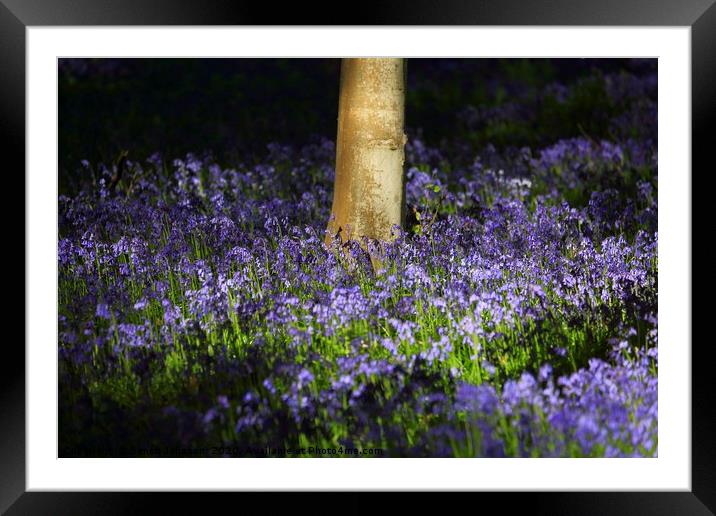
pixel 233 108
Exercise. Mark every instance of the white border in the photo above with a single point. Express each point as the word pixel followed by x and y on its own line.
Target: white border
pixel 670 471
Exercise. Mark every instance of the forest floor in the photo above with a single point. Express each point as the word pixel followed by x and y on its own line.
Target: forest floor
pixel 200 313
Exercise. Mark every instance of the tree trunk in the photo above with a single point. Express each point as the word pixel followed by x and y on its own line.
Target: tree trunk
pixel 369 191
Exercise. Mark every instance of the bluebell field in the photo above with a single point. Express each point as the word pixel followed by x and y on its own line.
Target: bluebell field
pixel 516 315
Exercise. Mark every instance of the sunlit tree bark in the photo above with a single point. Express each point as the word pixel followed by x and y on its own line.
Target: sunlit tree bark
pixel 369 191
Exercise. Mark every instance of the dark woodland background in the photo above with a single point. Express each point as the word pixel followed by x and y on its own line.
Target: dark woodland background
pixel 235 107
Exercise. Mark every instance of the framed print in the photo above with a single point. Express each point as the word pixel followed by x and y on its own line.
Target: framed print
pixel 475 263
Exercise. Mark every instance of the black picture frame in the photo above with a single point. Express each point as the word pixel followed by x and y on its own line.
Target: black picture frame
pixel 16 15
